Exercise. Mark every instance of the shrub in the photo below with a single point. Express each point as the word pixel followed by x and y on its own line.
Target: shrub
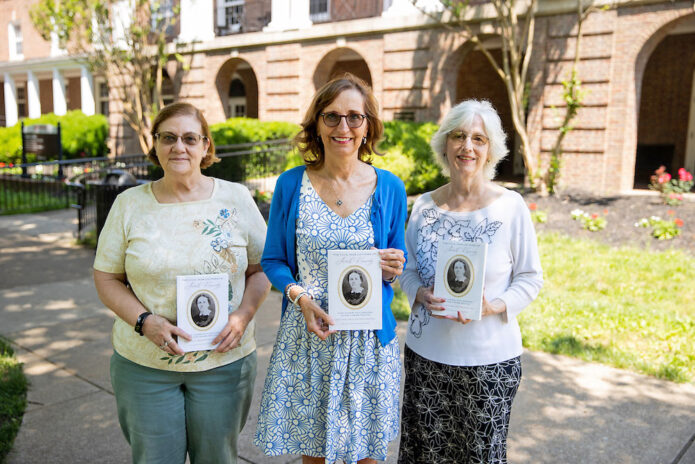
pixel 411 140
pixel 245 130
pixel 82 136
pixel 248 130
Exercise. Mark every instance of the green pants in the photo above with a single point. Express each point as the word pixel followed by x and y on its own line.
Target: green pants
pixel 165 414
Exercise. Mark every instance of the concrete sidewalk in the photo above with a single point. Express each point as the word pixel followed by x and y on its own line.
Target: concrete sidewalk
pixel 566 410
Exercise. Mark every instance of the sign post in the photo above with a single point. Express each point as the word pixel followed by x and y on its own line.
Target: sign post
pixel 44 141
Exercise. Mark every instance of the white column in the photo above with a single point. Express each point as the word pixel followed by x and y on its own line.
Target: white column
pixel 690 140
pixel 87 91
pixel 60 106
pixel 288 14
pixel 11 115
pixel 33 100
pixel 299 12
pixel 197 23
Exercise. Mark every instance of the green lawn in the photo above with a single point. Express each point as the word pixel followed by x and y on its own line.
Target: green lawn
pixel 12 202
pixel 13 397
pixel 625 307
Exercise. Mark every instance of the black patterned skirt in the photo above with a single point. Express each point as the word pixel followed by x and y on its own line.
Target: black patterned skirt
pixel 456 414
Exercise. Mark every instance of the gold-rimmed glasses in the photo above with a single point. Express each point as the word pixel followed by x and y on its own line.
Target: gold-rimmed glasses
pixel 169 138
pixel 458 138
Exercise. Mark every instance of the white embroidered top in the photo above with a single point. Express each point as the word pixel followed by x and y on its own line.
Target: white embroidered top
pixel 154 242
pixel 513 274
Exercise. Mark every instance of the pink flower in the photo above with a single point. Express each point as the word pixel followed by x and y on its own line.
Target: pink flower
pixel 594 216
pixel 665 177
pixel 672 195
pixel 684 175
pixel 678 222
pixel 605 212
pixel 670 212
pixel 532 206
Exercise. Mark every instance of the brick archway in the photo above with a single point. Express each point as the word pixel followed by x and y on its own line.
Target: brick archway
pixel 237 68
pixel 477 79
pixel 665 74
pixel 339 61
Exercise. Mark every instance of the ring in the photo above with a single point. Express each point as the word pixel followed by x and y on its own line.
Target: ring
pixel 164 345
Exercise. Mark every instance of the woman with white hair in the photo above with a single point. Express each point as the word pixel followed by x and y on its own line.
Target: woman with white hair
pixel 462 375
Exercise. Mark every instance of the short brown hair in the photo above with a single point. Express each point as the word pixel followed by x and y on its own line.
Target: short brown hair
pixel 308 141
pixel 184 109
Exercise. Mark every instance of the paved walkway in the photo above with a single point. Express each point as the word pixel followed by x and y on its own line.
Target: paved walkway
pixel 566 410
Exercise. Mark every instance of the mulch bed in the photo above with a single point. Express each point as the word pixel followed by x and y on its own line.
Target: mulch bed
pixel 621 213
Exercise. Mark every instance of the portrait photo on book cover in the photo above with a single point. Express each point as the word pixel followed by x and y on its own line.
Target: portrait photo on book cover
pixel 203 309
pixel 355 287
pixel 458 275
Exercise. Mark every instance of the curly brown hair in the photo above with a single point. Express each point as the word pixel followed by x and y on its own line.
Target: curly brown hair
pixel 184 109
pixel 308 141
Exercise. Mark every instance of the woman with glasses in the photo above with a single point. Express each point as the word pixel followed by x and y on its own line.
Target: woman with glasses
pixel 170 402
pixel 462 375
pixel 330 395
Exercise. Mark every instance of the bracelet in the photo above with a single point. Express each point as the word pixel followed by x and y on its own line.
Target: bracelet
pixel 287 290
pixel 299 296
pixel 391 280
pixel 141 321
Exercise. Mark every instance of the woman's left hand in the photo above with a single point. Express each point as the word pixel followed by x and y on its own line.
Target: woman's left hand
pixel 497 306
pixel 392 261
pixel 230 337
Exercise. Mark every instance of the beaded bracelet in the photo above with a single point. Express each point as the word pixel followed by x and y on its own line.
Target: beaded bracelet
pixel 287 290
pixel 299 296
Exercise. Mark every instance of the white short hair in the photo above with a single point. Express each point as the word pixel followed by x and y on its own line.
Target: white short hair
pixel 461 116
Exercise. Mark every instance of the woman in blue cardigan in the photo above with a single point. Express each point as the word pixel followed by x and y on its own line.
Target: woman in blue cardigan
pixel 332 395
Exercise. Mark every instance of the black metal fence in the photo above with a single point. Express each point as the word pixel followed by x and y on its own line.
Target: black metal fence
pixel 89 186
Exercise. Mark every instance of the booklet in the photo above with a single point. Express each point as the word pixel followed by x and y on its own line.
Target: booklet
pixel 459 278
pixel 354 289
pixel 201 309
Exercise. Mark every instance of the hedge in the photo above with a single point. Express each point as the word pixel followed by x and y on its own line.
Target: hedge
pixel 82 136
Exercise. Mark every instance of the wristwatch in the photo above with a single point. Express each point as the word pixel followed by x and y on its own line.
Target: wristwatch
pixel 141 321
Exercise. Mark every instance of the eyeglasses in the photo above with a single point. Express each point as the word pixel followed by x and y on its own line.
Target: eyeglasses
pixel 169 138
pixel 353 120
pixel 458 138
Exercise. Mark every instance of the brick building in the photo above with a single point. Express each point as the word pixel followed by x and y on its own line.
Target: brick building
pixel 265 59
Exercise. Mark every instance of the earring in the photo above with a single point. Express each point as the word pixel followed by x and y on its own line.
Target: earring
pixel 364 140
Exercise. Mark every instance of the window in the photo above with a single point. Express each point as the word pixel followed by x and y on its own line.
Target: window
pixel 103 98
pixel 168 94
pixel 163 16
pixel 237 98
pixel 15 41
pixel 230 16
pixel 319 10
pixel 21 101
pixel 404 116
pixel 18 40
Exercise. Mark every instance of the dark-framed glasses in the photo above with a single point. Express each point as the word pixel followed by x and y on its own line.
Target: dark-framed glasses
pixel 353 120
pixel 169 138
pixel 458 137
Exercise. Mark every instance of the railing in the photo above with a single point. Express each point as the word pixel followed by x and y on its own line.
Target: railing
pixel 80 183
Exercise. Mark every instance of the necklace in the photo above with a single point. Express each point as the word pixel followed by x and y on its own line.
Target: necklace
pixel 338 201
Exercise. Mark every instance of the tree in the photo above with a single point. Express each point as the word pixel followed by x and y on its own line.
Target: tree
pixel 517 47
pixel 125 41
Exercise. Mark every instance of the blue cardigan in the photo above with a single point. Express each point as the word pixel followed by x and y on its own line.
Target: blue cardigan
pixel 279 261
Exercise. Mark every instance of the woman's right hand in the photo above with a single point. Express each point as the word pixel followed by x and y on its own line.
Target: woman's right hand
pixel 317 320
pixel 425 296
pixel 161 332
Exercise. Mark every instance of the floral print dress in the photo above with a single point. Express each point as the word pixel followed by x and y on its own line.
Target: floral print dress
pixel 336 398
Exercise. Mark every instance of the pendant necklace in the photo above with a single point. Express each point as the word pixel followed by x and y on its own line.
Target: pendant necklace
pixel 338 201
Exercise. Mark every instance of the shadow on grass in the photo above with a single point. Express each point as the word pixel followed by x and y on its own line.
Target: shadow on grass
pixel 570 345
